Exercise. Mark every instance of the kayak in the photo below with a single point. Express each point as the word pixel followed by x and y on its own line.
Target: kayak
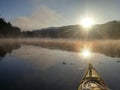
pixel 91 80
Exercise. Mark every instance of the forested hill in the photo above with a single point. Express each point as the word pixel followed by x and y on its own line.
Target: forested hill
pixel 109 30
pixel 7 30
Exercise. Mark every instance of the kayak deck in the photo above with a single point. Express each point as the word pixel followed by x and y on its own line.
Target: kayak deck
pixel 92 80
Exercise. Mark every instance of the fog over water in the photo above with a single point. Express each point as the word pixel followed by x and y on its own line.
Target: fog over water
pixel 49 64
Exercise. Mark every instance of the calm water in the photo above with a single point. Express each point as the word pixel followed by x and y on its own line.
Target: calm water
pixel 28 67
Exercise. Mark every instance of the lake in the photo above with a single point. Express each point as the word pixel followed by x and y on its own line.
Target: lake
pixel 55 64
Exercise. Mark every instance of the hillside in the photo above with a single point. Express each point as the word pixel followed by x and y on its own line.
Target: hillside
pixel 109 30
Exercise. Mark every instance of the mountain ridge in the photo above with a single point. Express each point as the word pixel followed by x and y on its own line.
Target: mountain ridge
pixel 109 30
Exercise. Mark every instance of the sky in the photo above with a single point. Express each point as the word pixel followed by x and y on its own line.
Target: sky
pixel 37 14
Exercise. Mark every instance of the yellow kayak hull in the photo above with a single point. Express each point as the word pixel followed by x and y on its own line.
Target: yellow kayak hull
pixel 91 80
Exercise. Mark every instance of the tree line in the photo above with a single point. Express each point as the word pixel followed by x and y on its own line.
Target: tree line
pixel 109 30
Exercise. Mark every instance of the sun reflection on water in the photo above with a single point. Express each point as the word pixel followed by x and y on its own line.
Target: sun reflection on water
pixel 86 53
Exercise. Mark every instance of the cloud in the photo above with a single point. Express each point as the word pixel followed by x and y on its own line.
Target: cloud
pixel 41 17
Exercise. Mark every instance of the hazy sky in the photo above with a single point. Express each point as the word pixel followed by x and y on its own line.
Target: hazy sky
pixel 34 14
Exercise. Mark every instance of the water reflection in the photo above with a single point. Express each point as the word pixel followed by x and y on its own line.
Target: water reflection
pixel 107 47
pixel 36 68
pixel 8 47
pixel 86 53
pixel 38 56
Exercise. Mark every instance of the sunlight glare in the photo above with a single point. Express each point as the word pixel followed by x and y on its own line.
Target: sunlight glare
pixel 87 22
pixel 86 53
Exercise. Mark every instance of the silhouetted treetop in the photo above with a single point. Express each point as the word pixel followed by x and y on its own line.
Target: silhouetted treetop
pixel 7 30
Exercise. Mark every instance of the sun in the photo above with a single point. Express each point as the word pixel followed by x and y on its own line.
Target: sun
pixel 87 22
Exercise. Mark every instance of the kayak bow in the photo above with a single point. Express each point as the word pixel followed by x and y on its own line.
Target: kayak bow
pixel 92 80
